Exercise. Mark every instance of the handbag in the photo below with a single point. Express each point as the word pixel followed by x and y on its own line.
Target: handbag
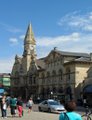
pixel 27 105
pixel 66 117
pixel 4 106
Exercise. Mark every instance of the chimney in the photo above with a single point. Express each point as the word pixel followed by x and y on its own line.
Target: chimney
pixel 55 48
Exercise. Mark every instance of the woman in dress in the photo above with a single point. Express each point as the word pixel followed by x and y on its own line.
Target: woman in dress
pixel 30 104
pixel 20 106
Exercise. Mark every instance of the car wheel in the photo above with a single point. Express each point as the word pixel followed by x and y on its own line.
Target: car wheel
pixel 39 109
pixel 49 110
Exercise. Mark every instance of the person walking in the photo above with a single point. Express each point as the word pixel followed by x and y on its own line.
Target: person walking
pixel 13 105
pixel 3 107
pixel 30 104
pixel 70 114
pixel 20 106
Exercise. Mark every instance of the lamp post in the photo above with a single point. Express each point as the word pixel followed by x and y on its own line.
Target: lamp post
pixel 51 94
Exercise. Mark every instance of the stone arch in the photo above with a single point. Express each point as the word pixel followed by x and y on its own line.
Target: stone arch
pixel 87 89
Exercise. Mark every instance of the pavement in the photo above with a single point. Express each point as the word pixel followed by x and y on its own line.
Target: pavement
pixel 33 115
pixel 36 115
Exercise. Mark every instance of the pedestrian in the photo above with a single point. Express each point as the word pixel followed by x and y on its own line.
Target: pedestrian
pixel 13 105
pixel 8 101
pixel 3 107
pixel 85 102
pixel 38 99
pixel 30 104
pixel 70 114
pixel 20 106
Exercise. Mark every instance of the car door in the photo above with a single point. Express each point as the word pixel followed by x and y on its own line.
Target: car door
pixel 45 106
pixel 42 105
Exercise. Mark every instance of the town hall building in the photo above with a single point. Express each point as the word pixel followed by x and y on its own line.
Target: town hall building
pixel 59 75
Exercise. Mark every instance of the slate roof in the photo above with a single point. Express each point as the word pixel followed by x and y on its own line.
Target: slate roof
pixel 81 59
pixel 76 54
pixel 85 59
pixel 40 63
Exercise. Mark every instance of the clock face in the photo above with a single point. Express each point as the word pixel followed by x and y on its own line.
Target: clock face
pixel 31 47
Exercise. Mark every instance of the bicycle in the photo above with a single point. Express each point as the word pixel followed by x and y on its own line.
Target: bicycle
pixel 87 114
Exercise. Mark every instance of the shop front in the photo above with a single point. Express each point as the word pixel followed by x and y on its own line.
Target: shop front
pixel 87 94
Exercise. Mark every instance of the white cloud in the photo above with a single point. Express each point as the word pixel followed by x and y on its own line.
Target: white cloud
pixel 74 42
pixel 22 37
pixel 52 41
pixel 6 67
pixel 13 41
pixel 77 20
pixel 10 28
pixel 13 30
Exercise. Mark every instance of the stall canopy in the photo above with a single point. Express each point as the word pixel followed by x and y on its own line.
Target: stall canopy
pixel 88 89
pixel 1 90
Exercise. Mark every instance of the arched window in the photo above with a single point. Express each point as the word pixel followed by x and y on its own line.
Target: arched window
pixel 43 78
pixel 53 76
pixel 60 90
pixel 30 80
pixel 16 81
pixel 53 73
pixel 48 77
pixel 34 79
pixel 54 90
pixel 60 73
pixel 48 90
pixel 48 74
pixel 68 73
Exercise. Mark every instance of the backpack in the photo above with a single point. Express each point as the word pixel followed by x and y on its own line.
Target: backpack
pixel 66 117
pixel 13 102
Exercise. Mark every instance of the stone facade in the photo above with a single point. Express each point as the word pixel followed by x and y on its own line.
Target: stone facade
pixel 59 75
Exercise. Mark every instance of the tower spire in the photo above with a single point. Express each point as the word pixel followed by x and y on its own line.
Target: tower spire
pixel 29 37
pixel 29 42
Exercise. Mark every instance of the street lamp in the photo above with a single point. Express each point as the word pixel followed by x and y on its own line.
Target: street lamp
pixel 51 94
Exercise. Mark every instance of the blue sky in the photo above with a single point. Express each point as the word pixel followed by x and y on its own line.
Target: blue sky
pixel 65 24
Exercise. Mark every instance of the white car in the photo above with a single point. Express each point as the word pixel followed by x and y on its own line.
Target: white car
pixel 51 105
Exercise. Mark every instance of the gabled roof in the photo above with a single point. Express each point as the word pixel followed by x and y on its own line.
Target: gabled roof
pixel 40 63
pixel 76 54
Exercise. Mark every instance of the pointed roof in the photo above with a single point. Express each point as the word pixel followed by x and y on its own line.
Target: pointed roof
pixel 29 37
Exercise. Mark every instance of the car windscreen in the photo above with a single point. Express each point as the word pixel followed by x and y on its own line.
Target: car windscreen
pixel 53 103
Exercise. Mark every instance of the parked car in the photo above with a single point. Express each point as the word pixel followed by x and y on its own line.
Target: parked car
pixel 51 105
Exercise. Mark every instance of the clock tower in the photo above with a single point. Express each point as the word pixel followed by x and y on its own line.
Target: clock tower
pixel 29 53
pixel 29 43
